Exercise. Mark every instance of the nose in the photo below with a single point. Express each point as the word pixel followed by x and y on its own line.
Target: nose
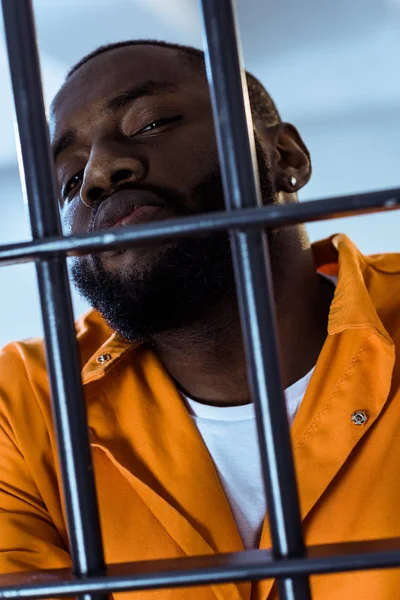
pixel 107 167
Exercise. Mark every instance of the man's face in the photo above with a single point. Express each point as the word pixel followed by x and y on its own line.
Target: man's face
pixel 134 136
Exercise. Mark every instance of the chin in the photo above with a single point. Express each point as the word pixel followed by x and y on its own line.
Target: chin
pixel 133 261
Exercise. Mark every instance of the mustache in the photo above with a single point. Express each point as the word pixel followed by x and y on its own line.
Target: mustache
pixel 209 188
pixel 171 197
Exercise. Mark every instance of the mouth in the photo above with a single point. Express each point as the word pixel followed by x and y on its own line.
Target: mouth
pixel 140 214
pixel 130 207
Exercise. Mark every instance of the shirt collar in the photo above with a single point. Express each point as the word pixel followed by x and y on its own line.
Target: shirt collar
pixel 106 357
pixel 352 305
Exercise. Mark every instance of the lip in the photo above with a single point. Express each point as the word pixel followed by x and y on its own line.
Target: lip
pixel 140 214
pixel 127 207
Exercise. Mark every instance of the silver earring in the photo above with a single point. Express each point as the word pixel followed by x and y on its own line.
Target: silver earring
pixel 293 181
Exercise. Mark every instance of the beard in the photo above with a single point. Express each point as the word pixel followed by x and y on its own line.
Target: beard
pixel 183 279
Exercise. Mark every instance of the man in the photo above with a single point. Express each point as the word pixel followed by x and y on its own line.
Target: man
pixel 172 426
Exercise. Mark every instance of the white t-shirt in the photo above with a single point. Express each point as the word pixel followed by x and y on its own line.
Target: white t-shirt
pixel 230 434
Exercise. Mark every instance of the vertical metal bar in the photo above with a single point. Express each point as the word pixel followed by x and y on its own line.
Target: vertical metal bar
pixel 254 283
pixel 61 350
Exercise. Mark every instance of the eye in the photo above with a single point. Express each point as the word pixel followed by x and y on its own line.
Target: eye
pixel 159 123
pixel 71 183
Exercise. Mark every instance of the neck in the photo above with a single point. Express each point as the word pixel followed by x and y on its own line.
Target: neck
pixel 207 358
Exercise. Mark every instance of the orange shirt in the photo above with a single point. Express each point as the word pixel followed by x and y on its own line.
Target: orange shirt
pixel 159 493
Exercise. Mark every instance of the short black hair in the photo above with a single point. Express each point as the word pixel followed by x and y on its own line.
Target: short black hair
pixel 262 105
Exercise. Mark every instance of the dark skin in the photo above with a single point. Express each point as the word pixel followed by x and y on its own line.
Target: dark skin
pixel 206 358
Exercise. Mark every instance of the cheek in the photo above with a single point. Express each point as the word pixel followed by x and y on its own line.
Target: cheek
pixel 186 161
pixel 74 218
pixel 203 155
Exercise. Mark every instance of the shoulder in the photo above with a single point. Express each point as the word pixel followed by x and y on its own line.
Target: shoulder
pixel 23 373
pixel 91 333
pixel 382 272
pixel 382 275
pixel 385 263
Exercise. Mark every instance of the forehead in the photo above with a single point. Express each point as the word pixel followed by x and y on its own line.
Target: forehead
pixel 114 71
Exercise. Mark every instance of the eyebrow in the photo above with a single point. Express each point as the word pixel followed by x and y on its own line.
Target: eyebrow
pixel 147 88
pixel 63 143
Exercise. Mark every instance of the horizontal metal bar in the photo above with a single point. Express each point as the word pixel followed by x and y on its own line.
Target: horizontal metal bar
pixel 251 565
pixel 266 216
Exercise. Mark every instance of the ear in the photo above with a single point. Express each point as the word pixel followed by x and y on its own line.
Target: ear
pixel 288 154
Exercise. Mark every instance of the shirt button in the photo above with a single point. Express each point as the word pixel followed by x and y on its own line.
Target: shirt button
pixel 359 417
pixel 103 358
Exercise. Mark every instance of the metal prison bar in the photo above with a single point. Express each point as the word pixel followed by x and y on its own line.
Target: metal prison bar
pixel 245 219
pixel 250 254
